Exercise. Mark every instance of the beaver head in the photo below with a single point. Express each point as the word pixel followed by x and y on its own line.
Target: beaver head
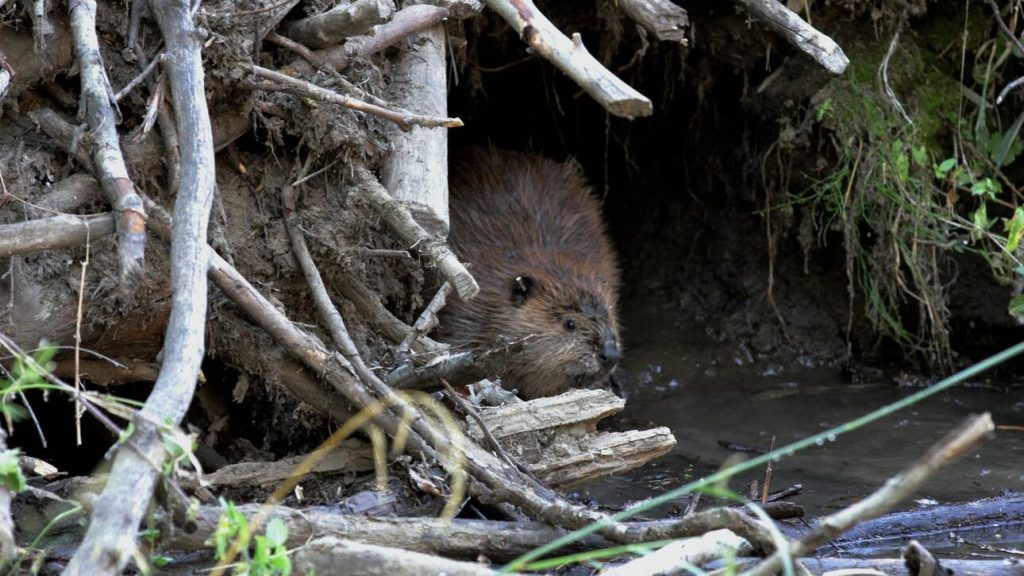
pixel 568 326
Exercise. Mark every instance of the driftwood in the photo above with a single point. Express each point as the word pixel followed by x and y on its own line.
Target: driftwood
pixel 350 457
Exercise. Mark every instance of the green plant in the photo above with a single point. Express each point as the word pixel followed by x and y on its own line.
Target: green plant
pixel 262 555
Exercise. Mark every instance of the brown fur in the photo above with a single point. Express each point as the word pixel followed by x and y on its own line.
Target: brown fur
pixel 533 234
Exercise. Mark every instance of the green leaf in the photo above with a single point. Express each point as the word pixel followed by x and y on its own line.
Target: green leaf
pixel 920 156
pixel 277 532
pixel 902 165
pixel 824 109
pixel 161 561
pixel 986 187
pixel 1016 305
pixel 981 221
pixel 1014 230
pixel 10 473
pixel 943 168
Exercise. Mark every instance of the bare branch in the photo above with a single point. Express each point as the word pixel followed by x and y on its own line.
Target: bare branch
pixel 108 162
pixel 572 58
pixel 404 120
pixel 110 539
pixel 964 438
pixel 799 33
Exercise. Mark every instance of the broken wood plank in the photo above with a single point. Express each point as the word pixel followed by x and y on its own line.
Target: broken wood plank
pixel 580 408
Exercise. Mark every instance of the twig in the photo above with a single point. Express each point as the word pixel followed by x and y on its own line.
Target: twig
pixel 378 253
pixel 108 161
pixel 54 233
pixel 110 539
pixel 963 439
pixel 403 119
pixel 63 133
pixel 402 223
pixel 376 315
pixel 572 58
pixel 663 18
pixel 138 79
pixel 799 33
pixel 78 342
pixel 427 320
pixel 471 412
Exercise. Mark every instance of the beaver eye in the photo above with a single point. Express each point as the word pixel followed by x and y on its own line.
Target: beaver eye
pixel 569 324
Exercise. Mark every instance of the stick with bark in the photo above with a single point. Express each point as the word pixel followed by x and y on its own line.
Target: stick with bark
pixel 663 18
pixel 110 539
pixel 96 107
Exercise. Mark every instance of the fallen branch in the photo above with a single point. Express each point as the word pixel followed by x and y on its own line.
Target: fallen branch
pixel 405 120
pixel 965 438
pixel 54 233
pixel 799 33
pixel 381 319
pixel 572 58
pixel 325 555
pixel 342 21
pixel 366 186
pixel 456 537
pixel 108 162
pixel 663 18
pixel 110 539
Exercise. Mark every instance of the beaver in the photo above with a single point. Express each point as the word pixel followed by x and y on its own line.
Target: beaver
pixel 532 232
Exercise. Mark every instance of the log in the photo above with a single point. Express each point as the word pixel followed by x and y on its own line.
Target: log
pixel 56 232
pixel 416 171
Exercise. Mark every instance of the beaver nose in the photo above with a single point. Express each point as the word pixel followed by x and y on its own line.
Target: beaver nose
pixel 609 353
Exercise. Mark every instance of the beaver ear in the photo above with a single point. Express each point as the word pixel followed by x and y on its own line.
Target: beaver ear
pixel 522 286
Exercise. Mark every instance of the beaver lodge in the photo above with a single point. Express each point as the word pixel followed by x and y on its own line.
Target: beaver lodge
pixel 273 270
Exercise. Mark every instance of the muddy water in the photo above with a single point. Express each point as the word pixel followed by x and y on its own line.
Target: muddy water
pixel 716 397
